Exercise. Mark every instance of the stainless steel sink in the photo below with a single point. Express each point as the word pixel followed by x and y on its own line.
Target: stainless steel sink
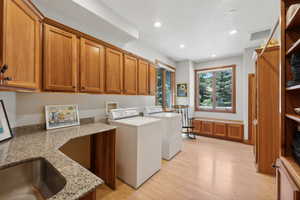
pixel 33 180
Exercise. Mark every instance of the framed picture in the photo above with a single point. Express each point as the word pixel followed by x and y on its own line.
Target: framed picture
pixel 5 130
pixel 182 89
pixel 59 116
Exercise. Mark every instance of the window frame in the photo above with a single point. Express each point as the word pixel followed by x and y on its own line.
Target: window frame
pixel 233 94
pixel 173 75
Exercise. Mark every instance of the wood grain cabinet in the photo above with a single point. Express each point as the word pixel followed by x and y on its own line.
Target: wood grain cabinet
pixel 20 43
pixel 130 75
pixel 143 81
pixel 220 129
pixel 152 80
pixel 235 131
pixel 114 71
pixel 206 127
pixel 197 126
pixel 286 187
pixel 92 66
pixel 60 59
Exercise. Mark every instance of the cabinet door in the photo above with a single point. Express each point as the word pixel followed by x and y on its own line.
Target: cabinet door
pixel 130 75
pixel 206 127
pixel 235 131
pixel 152 80
pixel 91 66
pixel 220 129
pixel 114 71
pixel 143 77
pixel 21 44
pixel 60 59
pixel 197 126
pixel 286 188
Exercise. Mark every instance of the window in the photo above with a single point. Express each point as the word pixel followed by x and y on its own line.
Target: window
pixel 215 89
pixel 165 85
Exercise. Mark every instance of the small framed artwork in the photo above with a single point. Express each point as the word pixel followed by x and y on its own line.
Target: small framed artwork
pixel 5 130
pixel 182 89
pixel 59 116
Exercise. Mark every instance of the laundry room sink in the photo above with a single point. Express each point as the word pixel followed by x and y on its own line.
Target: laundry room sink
pixel 33 180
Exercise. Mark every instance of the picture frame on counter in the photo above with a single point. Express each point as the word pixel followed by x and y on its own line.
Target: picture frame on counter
pixel 5 129
pixel 61 116
pixel 182 90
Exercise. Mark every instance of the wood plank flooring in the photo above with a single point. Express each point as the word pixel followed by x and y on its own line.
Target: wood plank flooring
pixel 206 169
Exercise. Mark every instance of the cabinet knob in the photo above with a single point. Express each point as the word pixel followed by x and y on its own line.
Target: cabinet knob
pixel 83 87
pixel 3 69
pixel 274 166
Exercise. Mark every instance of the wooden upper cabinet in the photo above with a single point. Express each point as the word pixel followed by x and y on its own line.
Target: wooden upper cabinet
pixel 143 84
pixel 60 59
pixel 92 62
pixel 114 71
pixel 130 75
pixel 20 43
pixel 152 80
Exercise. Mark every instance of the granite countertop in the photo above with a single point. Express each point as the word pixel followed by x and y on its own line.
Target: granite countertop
pixel 46 144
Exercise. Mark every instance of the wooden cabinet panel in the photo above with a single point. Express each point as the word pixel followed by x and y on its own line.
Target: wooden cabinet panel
pixel 114 71
pixel 90 196
pixel 104 157
pixel 143 77
pixel 21 40
pixel 91 66
pixel 197 126
pixel 152 80
pixel 235 131
pixel 206 127
pixel 60 59
pixel 130 75
pixel 220 129
pixel 286 188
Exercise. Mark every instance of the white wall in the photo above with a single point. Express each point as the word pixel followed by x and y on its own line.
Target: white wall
pixel 238 61
pixel 30 107
pixel 144 50
pixel 184 74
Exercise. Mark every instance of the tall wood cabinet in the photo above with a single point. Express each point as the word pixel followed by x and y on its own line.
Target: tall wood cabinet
pixel 130 75
pixel 152 80
pixel 92 66
pixel 20 43
pixel 114 71
pixel 143 78
pixel 288 169
pixel 267 105
pixel 60 59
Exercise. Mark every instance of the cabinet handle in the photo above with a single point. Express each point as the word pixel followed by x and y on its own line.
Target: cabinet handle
pixel 274 166
pixel 3 69
pixel 74 86
pixel 83 87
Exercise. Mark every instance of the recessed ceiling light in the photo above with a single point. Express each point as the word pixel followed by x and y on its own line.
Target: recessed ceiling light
pixel 182 46
pixel 157 24
pixel 233 32
pixel 213 55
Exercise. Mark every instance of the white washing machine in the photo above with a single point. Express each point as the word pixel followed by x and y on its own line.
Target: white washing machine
pixel 138 145
pixel 171 130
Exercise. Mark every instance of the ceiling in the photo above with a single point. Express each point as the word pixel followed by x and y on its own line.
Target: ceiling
pixel 203 26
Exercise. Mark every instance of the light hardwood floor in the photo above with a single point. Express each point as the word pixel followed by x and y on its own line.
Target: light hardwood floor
pixel 206 169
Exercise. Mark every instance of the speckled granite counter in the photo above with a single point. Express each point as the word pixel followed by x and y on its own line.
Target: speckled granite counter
pixel 45 144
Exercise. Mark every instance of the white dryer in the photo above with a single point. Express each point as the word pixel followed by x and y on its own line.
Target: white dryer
pixel 138 146
pixel 171 130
